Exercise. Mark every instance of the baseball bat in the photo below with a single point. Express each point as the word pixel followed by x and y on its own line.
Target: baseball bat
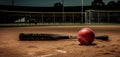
pixel 23 36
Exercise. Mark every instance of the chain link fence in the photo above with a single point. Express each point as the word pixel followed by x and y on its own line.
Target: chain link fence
pixel 40 17
pixel 102 16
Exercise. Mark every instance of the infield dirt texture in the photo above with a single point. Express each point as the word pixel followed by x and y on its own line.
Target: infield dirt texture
pixel 10 46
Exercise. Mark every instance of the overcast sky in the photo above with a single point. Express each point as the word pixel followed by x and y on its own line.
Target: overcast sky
pixel 48 2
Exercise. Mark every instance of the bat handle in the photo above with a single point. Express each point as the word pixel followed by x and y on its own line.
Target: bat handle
pixel 72 37
pixel 103 37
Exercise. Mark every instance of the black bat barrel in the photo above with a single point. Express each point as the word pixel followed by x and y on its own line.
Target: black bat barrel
pixel 23 36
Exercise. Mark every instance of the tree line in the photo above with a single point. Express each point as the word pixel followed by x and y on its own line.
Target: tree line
pixel 97 4
pixel 110 5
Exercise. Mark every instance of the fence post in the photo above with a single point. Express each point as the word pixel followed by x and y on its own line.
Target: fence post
pixel 98 17
pixel 54 17
pixel 89 17
pixel 42 17
pixel 73 17
pixel 85 17
pixel 108 17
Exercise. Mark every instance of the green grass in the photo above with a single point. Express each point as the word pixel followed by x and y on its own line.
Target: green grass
pixel 57 24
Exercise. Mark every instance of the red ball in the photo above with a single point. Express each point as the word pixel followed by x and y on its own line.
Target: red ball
pixel 86 36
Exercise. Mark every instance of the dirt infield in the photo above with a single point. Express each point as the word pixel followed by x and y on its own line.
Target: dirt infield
pixel 10 46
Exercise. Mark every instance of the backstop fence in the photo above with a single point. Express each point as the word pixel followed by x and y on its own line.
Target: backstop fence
pixel 89 16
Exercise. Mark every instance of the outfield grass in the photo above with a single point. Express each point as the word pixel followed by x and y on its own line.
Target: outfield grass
pixel 57 24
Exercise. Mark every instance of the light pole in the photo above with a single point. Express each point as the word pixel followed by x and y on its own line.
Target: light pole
pixel 63 10
pixel 12 2
pixel 82 12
